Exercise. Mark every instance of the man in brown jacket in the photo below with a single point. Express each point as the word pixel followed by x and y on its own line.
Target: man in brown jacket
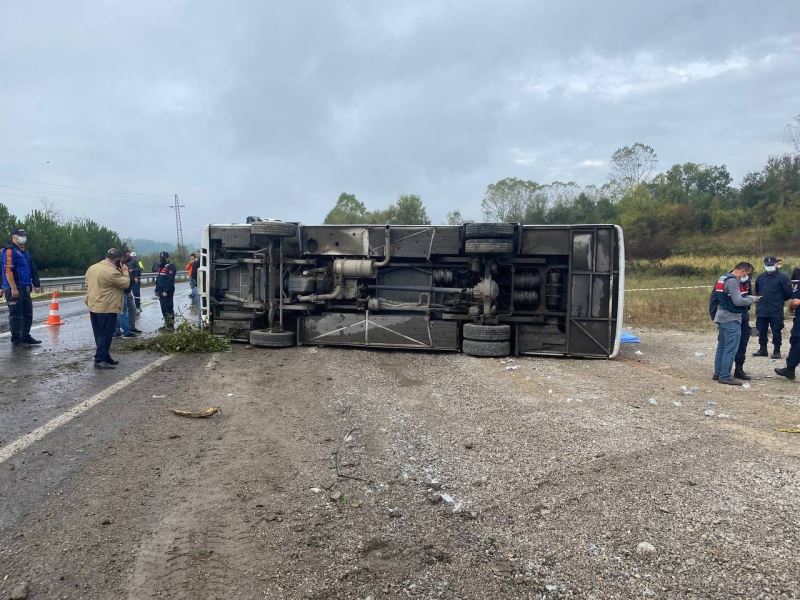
pixel 104 284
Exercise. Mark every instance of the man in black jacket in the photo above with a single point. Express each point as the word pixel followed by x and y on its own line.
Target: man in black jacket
pixel 775 289
pixel 793 359
pixel 165 290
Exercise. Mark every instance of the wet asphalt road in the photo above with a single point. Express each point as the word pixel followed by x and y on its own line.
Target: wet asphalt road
pixel 43 382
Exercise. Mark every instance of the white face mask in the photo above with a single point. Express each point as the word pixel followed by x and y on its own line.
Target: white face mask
pixel 21 239
pixel 744 278
pixel 770 269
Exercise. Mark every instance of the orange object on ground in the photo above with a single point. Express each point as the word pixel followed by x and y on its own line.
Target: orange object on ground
pixel 54 318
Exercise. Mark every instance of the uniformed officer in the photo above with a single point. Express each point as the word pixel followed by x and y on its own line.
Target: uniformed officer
pixel 793 358
pixel 20 278
pixel 165 290
pixel 775 289
pixel 746 289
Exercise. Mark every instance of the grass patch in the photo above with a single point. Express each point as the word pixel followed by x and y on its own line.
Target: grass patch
pixel 668 309
pixel 187 338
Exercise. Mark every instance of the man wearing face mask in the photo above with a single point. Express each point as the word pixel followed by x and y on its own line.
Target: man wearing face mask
pixel 19 277
pixel 165 290
pixel 775 289
pixel 731 305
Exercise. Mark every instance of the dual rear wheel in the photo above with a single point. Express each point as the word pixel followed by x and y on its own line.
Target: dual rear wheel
pixel 486 340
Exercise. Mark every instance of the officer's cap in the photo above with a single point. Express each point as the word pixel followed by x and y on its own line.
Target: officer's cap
pixel 770 261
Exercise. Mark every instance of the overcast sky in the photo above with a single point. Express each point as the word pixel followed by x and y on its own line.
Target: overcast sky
pixel 109 108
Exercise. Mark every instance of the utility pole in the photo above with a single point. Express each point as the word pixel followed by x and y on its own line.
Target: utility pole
pixel 181 250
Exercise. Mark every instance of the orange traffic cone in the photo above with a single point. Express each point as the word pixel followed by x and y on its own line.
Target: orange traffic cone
pixel 54 318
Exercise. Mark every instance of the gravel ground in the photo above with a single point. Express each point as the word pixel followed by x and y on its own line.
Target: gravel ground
pixel 338 473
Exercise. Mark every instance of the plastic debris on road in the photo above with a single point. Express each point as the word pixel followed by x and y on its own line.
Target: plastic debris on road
pixel 689 391
pixel 639 353
pixel 788 429
pixel 512 367
pixel 197 414
pixel 158 396
pixel 699 354
pixel 652 401
pixel 709 412
pixel 628 338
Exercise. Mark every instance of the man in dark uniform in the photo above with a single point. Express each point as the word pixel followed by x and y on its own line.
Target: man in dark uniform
pixel 774 288
pixel 746 289
pixel 165 290
pixel 793 359
pixel 19 278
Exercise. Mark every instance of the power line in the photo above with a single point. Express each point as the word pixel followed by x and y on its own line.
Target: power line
pixel 94 201
pixel 84 189
pixel 11 187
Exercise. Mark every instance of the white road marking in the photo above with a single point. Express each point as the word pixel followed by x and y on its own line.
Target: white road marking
pixel 32 328
pixel 37 434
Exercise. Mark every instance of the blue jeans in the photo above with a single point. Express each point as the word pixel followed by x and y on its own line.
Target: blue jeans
pixel 728 337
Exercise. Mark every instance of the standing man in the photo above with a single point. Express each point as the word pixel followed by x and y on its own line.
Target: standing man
pixel 135 268
pixel 731 305
pixel 774 288
pixel 104 284
pixel 793 358
pixel 193 279
pixel 192 276
pixel 165 290
pixel 19 279
pixel 746 289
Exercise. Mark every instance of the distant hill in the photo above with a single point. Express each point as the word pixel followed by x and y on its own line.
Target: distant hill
pixel 145 247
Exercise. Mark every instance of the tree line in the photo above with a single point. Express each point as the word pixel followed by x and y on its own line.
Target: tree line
pixel 61 247
pixel 681 208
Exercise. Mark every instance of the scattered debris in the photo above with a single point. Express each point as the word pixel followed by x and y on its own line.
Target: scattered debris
pixel 746 385
pixel 434 498
pixel 20 592
pixel 723 416
pixel 710 412
pixel 469 444
pixel 435 484
pixel 788 429
pixel 711 403
pixel 645 548
pixel 394 513
pixel 551 587
pixel 699 354
pixel 652 401
pixel 197 414
pixel 689 391
pixel 229 395
pixel 677 403
pixel 446 497
pixel 512 367
pixel 639 353
pixel 316 490
pixel 158 396
pixel 335 496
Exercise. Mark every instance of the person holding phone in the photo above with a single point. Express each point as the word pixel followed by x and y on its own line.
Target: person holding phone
pixel 105 282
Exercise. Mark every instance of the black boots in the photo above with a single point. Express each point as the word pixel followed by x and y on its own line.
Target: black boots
pixel 762 351
pixel 739 373
pixel 786 372
pixel 776 353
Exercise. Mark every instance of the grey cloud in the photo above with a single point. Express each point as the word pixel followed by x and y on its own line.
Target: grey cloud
pixel 260 108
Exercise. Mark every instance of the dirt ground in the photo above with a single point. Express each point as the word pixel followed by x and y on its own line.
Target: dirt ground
pixel 457 478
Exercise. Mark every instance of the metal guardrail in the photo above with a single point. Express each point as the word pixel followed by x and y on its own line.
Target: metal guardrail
pixel 78 282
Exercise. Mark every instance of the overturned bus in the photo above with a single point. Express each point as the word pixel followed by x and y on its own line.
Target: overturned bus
pixel 485 289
